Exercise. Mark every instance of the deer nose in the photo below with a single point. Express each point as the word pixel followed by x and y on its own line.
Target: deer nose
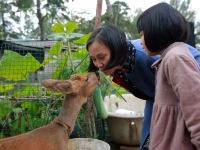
pixel 92 76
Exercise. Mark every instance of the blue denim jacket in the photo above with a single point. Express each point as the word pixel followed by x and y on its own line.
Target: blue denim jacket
pixel 143 77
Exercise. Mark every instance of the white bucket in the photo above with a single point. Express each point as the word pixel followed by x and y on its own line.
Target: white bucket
pixel 87 144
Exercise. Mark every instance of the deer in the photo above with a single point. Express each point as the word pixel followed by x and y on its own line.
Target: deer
pixel 55 135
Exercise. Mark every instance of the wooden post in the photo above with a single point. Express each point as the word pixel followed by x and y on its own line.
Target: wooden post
pixel 98 13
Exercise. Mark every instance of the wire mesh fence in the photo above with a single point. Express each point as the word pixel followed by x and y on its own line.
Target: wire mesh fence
pixel 24 104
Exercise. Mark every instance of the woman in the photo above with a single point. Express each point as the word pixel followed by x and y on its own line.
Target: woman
pixel 128 64
pixel 175 118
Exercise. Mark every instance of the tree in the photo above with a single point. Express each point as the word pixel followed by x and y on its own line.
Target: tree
pixel 197 34
pixel 40 20
pixel 184 7
pixel 121 18
pixel 55 11
pixel 98 13
pixel 8 18
pixel 109 10
pixel 3 26
pixel 45 12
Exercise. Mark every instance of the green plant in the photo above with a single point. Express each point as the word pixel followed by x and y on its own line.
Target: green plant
pixel 25 105
pixel 68 63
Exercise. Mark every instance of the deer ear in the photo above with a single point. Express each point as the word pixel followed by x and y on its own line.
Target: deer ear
pixel 48 83
pixel 79 77
pixel 63 86
pixel 73 85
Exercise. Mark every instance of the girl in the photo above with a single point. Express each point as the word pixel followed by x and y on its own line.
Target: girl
pixel 175 118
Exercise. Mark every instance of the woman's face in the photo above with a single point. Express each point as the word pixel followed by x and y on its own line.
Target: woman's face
pixel 100 55
pixel 144 45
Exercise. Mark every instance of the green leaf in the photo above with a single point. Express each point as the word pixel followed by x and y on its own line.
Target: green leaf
pixel 22 124
pixel 73 36
pixel 56 36
pixel 118 88
pixel 18 126
pixel 56 49
pixel 24 4
pixel 6 87
pixel 17 110
pixel 31 107
pixel 47 60
pixel 15 67
pixel 2 135
pixel 58 28
pixel 27 91
pixel 70 27
pixel 15 127
pixel 80 53
pixel 83 39
pixel 38 122
pixel 98 101
pixel 59 68
pixel 5 107
pixel 54 52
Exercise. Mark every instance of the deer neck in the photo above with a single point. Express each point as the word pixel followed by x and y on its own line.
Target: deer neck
pixel 70 110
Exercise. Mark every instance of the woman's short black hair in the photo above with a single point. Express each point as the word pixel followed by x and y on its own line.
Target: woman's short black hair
pixel 162 25
pixel 115 39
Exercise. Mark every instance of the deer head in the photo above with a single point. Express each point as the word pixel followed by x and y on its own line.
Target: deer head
pixel 82 84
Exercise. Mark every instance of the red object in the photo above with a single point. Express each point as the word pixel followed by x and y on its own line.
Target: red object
pixel 120 82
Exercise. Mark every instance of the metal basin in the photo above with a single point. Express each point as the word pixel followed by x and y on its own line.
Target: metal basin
pixel 124 127
pixel 124 130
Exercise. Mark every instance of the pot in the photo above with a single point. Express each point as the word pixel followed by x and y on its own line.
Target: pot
pixel 124 130
pixel 124 122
